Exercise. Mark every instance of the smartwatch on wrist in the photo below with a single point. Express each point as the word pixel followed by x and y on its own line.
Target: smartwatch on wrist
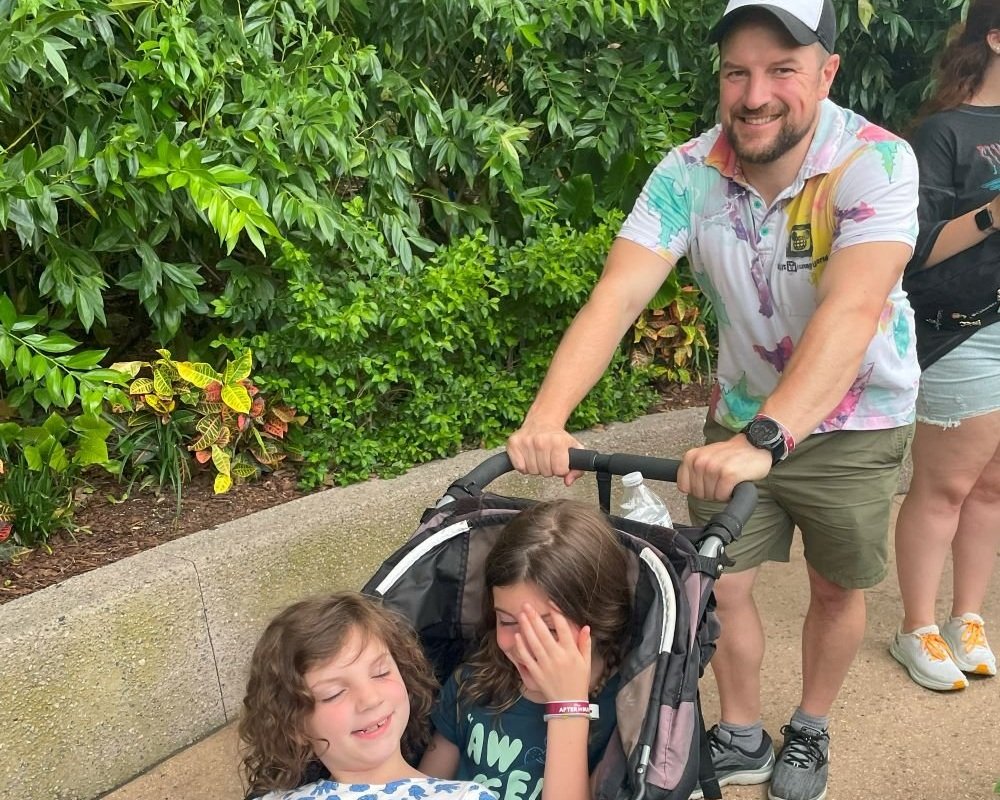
pixel 984 219
pixel 768 434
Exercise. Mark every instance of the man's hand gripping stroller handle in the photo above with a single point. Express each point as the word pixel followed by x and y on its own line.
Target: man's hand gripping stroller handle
pixel 721 529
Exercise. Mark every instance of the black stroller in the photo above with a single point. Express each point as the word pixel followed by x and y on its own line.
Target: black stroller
pixel 660 749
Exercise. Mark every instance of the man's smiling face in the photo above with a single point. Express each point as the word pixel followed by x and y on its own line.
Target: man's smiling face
pixel 770 89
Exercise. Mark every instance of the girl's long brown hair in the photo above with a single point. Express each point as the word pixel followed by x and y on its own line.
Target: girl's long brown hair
pixel 962 64
pixel 570 551
pixel 276 749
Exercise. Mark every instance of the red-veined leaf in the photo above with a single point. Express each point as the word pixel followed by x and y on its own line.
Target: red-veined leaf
pixel 276 428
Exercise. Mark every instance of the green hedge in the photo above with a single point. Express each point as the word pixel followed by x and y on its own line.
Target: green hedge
pixel 401 368
pixel 158 153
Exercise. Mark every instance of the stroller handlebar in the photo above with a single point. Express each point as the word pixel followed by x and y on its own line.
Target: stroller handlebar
pixel 726 525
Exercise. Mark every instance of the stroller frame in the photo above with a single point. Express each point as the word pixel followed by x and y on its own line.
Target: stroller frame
pixel 680 566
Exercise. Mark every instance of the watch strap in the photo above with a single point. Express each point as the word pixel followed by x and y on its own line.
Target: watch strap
pixel 786 435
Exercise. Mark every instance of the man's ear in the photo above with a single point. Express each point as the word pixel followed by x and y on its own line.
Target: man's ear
pixel 828 71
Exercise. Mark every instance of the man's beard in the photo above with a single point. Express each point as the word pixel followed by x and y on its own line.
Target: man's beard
pixel 787 138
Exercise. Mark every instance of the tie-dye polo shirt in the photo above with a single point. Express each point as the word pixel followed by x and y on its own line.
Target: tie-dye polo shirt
pixel 760 266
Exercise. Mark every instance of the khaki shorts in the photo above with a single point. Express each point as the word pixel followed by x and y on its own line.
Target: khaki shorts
pixel 837 488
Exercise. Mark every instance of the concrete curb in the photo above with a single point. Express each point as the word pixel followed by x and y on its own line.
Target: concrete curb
pixel 117 669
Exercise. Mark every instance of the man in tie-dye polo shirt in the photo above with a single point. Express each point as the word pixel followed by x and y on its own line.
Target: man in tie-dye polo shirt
pixel 798 217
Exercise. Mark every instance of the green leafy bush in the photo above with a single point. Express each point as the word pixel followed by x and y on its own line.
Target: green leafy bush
pixel 888 49
pixel 44 370
pixel 41 465
pixel 41 369
pixel 151 451
pixel 155 150
pixel 402 368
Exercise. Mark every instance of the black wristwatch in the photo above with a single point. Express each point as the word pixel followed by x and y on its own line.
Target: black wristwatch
pixel 767 434
pixel 984 219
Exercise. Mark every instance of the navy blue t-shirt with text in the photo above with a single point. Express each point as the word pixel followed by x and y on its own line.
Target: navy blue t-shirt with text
pixel 506 752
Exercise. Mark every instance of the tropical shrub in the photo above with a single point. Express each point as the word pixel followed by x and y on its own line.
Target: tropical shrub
pixel 156 150
pixel 180 407
pixel 41 369
pixel 39 467
pixel 401 368
pixel 7 548
pixel 670 337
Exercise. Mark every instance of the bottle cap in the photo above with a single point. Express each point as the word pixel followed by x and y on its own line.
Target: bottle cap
pixel 632 479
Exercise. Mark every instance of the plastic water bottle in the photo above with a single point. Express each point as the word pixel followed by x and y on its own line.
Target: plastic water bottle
pixel 640 503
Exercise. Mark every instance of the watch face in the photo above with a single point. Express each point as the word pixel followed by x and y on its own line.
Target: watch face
pixel 984 219
pixel 763 432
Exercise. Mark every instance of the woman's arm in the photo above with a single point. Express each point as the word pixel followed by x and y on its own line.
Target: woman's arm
pixel 939 148
pixel 962 233
pixel 441 758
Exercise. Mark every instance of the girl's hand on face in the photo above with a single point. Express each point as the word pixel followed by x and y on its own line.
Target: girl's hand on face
pixel 559 664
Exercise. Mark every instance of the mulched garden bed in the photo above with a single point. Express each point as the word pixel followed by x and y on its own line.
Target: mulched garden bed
pixel 112 529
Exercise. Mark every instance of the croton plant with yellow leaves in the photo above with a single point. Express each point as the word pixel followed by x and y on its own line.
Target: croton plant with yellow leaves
pixel 234 426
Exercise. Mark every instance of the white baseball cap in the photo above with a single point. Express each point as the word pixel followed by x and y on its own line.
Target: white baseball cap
pixel 807 21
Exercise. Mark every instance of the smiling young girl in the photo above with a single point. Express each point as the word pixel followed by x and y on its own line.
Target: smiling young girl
pixel 531 712
pixel 340 685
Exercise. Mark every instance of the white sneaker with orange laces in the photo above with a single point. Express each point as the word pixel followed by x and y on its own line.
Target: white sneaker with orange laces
pixel 928 659
pixel 970 651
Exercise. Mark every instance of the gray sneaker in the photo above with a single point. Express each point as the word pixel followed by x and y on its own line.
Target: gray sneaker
pixel 802 767
pixel 736 765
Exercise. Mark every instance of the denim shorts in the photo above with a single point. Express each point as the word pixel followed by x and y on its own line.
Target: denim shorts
pixel 836 489
pixel 963 383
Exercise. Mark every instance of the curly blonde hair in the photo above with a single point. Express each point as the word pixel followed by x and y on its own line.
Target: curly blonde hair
pixel 572 553
pixel 276 749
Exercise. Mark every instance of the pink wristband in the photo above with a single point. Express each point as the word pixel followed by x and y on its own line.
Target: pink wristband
pixel 571 708
pixel 789 439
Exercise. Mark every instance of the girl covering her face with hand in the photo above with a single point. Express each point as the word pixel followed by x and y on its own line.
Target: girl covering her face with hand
pixel 517 716
pixel 341 681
